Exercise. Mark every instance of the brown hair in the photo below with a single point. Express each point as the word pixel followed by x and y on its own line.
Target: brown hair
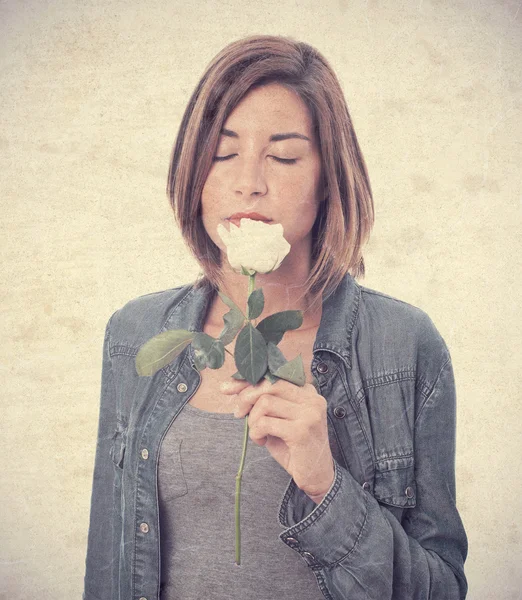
pixel 345 218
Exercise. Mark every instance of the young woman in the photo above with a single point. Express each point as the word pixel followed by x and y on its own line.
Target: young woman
pixel 347 492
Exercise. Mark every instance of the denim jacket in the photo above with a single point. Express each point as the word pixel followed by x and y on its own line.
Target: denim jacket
pixel 387 529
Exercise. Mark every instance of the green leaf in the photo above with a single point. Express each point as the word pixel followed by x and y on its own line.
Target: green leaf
pixel 234 320
pixel 270 377
pixel 293 371
pixel 255 304
pixel 250 354
pixel 161 350
pixel 237 375
pixel 274 326
pixel 276 358
pixel 230 303
pixel 209 349
pixel 200 361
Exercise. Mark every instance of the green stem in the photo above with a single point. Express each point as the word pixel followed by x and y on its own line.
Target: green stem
pixel 251 283
pixel 238 491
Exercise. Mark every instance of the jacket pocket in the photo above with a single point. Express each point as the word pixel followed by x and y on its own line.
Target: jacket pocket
pixel 117 450
pixel 395 482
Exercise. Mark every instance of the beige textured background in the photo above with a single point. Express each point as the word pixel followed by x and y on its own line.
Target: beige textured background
pixel 91 96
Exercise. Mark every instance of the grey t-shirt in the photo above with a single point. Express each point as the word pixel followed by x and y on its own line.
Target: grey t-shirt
pixel 199 459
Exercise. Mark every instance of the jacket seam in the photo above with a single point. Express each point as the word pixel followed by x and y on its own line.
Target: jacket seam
pixel 134 568
pixel 357 299
pixel 423 385
pixel 178 304
pixel 383 295
pixel 396 468
pixel 121 350
pixel 409 374
pixel 448 360
pixel 379 381
pixel 357 410
pixel 359 534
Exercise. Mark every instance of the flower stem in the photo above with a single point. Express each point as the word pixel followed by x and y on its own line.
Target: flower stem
pixel 238 491
pixel 251 282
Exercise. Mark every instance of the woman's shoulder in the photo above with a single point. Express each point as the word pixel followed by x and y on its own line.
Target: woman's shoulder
pixel 399 324
pixel 142 317
pixel 386 310
pixel 386 303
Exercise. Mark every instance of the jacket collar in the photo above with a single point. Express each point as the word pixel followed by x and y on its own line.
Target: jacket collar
pixel 335 329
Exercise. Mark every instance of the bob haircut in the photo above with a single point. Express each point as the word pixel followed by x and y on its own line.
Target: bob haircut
pixel 346 214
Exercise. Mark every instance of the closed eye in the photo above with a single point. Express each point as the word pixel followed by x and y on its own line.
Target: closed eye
pixel 289 161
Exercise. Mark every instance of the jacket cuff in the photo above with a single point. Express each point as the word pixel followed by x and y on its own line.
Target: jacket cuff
pixel 324 533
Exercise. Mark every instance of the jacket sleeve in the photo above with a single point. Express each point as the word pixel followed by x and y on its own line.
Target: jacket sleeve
pixel 359 546
pixel 102 563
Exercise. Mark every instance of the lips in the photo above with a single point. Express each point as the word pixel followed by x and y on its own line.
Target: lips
pixel 236 218
pixel 253 215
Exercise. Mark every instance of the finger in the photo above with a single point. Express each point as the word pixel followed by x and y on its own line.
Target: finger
pixel 269 405
pixel 305 397
pixel 265 426
pixel 290 391
pixel 247 398
pixel 233 387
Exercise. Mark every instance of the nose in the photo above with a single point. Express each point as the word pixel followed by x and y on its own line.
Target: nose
pixel 249 177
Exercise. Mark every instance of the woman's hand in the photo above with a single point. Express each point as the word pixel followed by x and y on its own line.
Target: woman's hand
pixel 291 422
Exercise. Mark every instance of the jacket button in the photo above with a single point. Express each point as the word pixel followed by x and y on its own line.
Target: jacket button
pixel 309 556
pixel 409 492
pixel 366 486
pixel 291 540
pixel 322 367
pixel 339 411
pixel 182 387
pixel 145 453
pixel 144 527
pixel 143 598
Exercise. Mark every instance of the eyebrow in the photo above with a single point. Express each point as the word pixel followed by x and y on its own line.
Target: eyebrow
pixel 276 137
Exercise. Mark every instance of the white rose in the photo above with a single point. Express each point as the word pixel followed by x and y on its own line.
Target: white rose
pixel 257 246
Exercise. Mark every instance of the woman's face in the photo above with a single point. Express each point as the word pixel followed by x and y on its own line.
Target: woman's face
pixel 254 175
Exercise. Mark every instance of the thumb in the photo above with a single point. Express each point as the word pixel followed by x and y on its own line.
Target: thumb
pixel 233 387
